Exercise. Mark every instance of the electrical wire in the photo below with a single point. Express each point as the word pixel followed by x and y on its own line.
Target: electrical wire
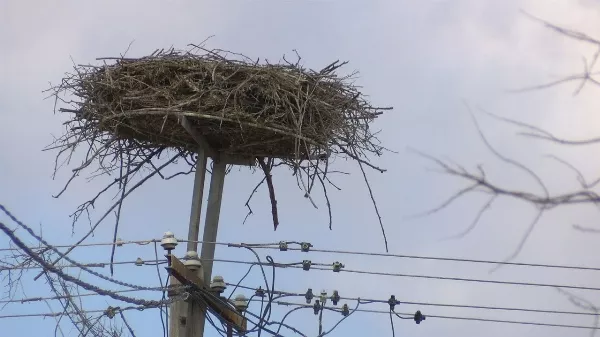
pixel 445 278
pixel 315 266
pixel 294 265
pixel 148 263
pixel 58 314
pixel 117 243
pixel 55 270
pixel 275 246
pixel 95 244
pixel 281 324
pixel 224 302
pixel 77 281
pixel 164 287
pixel 89 265
pixel 51 267
pixel 318 266
pixel 447 259
pixel 392 324
pixel 443 305
pixel 37 299
pixel 155 262
pixel 456 317
pixel 143 303
pixel 359 302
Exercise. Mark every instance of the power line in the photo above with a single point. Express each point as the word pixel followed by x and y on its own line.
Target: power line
pixel 36 257
pixel 149 263
pixel 514 322
pixel 276 264
pixel 445 278
pixel 37 299
pixel 90 265
pixel 452 317
pixel 462 306
pixel 481 307
pixel 448 259
pixel 315 266
pixel 49 314
pixel 318 266
pixel 275 246
pixel 119 243
pixel 95 244
pixel 62 313
pixel 70 278
pixel 335 309
pixel 325 266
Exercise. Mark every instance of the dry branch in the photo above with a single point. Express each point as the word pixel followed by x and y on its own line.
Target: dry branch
pixel 477 181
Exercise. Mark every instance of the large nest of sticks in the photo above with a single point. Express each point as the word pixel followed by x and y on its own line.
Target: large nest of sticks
pixel 130 110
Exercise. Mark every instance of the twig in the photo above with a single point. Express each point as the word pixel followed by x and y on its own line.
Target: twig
pixel 110 209
pixel 247 204
pixel 118 216
pixel 374 205
pixel 126 324
pixel 267 170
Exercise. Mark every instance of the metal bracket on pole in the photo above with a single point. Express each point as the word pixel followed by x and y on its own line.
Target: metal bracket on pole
pixel 221 307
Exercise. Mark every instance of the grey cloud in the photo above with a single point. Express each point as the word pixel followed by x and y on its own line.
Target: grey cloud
pixel 421 58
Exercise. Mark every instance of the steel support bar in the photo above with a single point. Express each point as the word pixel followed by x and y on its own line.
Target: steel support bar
pixel 213 210
pixel 211 224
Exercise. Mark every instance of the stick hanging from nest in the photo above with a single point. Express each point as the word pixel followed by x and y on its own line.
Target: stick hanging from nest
pixel 266 167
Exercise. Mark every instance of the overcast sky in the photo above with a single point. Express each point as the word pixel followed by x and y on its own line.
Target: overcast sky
pixel 424 58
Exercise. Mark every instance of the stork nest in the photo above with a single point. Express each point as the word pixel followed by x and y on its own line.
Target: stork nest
pixel 128 111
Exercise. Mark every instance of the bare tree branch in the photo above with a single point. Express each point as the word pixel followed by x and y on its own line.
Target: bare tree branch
pixel 583 304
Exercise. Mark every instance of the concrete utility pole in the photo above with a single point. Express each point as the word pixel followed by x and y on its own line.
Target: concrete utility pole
pixel 187 319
